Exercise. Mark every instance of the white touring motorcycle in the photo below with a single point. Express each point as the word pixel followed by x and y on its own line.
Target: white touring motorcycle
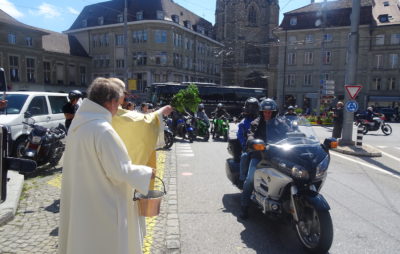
pixel 288 180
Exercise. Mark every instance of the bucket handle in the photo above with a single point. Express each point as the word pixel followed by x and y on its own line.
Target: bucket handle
pixel 165 191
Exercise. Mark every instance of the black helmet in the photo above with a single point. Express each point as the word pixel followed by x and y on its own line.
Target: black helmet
pixel 74 94
pixel 220 105
pixel 251 106
pixel 150 105
pixel 268 104
pixel 201 106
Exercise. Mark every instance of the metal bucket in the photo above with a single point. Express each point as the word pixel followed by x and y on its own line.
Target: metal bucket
pixel 149 205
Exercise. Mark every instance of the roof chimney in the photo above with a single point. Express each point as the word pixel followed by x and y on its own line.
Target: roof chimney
pixel 312 1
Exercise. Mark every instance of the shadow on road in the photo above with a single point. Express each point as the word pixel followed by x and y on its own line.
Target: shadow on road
pixel 55 207
pixel 43 171
pixel 262 234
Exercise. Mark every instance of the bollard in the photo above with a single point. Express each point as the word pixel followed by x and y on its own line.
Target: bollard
pixel 360 135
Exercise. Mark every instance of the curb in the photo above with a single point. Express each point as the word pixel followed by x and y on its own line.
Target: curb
pixel 364 151
pixel 9 208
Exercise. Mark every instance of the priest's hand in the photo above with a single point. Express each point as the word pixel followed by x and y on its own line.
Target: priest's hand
pixel 166 110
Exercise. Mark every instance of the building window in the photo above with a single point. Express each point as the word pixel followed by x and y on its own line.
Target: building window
pixel 30 70
pixel 119 63
pixel 84 22
pixel 386 3
pixel 104 40
pixel 309 38
pixel 139 15
pixel 160 15
pixel 308 58
pixel 139 36
pixel 100 21
pixel 327 58
pixel 328 37
pixel 252 16
pixel 380 39
pixel 394 61
pixel 376 84
pixel 175 18
pixel 378 61
pixel 395 39
pixel 161 36
pixel 29 41
pixel 161 58
pixel 72 74
pixel 12 38
pixel 119 40
pixel 46 73
pixel 140 58
pixel 14 68
pixel 307 79
pixel 120 18
pixel 291 58
pixel 325 76
pixel 60 73
pixel 187 24
pixel 391 84
pixel 82 74
pixel 293 21
pixel 200 29
pixel 290 82
pixel 384 18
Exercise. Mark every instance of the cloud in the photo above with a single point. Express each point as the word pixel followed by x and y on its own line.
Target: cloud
pixel 10 9
pixel 46 10
pixel 73 11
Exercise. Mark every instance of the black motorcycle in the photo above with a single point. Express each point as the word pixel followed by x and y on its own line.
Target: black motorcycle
pixel 44 145
pixel 168 134
pixel 288 180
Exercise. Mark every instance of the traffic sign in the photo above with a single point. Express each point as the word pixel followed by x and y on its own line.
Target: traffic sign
pixel 351 106
pixel 353 91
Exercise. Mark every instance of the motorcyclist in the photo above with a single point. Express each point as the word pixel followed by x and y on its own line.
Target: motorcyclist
pixel 290 111
pixel 218 113
pixel 250 112
pixel 201 113
pixel 268 128
pixel 370 116
pixel 71 107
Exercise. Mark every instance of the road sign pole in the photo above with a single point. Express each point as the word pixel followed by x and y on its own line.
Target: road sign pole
pixel 351 73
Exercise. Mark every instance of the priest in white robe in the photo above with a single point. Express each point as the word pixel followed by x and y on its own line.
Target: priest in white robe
pixel 97 213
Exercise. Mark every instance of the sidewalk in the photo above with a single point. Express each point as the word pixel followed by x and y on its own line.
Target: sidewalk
pixel 14 189
pixel 365 150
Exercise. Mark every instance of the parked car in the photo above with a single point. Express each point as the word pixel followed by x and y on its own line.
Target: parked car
pixel 45 108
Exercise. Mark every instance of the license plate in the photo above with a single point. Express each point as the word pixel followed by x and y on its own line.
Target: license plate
pixel 36 139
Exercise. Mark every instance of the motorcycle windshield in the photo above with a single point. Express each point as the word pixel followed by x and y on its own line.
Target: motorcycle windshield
pixel 291 131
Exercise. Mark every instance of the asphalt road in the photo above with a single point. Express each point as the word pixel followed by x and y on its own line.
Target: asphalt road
pixel 364 195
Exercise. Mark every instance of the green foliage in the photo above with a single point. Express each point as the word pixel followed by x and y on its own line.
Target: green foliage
pixel 187 99
pixel 298 111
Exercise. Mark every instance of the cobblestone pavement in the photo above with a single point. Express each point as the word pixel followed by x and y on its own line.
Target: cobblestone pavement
pixel 35 226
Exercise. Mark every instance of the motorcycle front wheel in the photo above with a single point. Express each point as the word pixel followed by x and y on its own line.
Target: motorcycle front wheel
pixel 168 139
pixel 314 229
pixel 386 129
pixel 365 129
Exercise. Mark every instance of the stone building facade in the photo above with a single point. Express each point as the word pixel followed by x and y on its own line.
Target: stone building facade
pixel 165 42
pixel 313 49
pixel 246 28
pixel 39 60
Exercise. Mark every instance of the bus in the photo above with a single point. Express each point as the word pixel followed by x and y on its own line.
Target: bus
pixel 232 97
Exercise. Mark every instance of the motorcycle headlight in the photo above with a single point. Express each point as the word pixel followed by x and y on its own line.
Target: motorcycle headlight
pixel 322 167
pixel 300 173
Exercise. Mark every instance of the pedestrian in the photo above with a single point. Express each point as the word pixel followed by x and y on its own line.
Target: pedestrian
pixel 338 120
pixel 71 107
pixel 97 213
pixel 144 108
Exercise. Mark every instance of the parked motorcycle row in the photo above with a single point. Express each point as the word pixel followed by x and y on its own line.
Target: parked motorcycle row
pixel 193 128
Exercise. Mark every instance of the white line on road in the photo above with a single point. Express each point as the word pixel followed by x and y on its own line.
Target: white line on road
pixel 382 147
pixel 366 164
pixel 186 154
pixel 391 156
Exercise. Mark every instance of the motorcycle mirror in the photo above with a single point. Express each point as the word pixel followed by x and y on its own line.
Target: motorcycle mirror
pixel 27 114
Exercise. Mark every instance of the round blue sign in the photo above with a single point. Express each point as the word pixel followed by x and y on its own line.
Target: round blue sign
pixel 351 106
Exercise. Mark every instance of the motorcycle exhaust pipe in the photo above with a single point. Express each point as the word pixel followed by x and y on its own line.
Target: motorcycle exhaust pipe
pixel 293 210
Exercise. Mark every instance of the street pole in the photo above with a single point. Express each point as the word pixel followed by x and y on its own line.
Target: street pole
pixel 126 44
pixel 321 76
pixel 351 73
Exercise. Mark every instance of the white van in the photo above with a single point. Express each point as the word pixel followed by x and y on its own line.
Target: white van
pixel 45 108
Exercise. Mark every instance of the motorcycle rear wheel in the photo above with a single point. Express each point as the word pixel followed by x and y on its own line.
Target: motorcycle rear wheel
pixel 168 139
pixel 207 135
pixel 386 129
pixel 365 129
pixel 315 229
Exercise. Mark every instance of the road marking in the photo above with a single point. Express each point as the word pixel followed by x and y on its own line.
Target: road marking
pixel 365 164
pixel 186 174
pixel 382 147
pixel 186 155
pixel 56 181
pixel 398 148
pixel 391 156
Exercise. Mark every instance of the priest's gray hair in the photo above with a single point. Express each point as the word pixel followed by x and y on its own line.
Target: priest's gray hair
pixel 103 90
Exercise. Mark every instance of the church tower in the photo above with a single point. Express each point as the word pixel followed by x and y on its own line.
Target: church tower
pixel 246 28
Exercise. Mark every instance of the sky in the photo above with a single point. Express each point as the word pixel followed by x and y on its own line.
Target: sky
pixel 58 15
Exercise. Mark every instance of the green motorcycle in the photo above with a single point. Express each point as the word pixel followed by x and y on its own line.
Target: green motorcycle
pixel 201 128
pixel 220 128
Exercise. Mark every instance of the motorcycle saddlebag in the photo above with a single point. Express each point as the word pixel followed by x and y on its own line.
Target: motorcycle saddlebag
pixel 232 170
pixel 235 149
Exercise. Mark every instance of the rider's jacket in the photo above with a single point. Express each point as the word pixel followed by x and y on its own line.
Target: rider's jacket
pixel 243 129
pixel 202 115
pixel 218 113
pixel 267 130
pixel 371 115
